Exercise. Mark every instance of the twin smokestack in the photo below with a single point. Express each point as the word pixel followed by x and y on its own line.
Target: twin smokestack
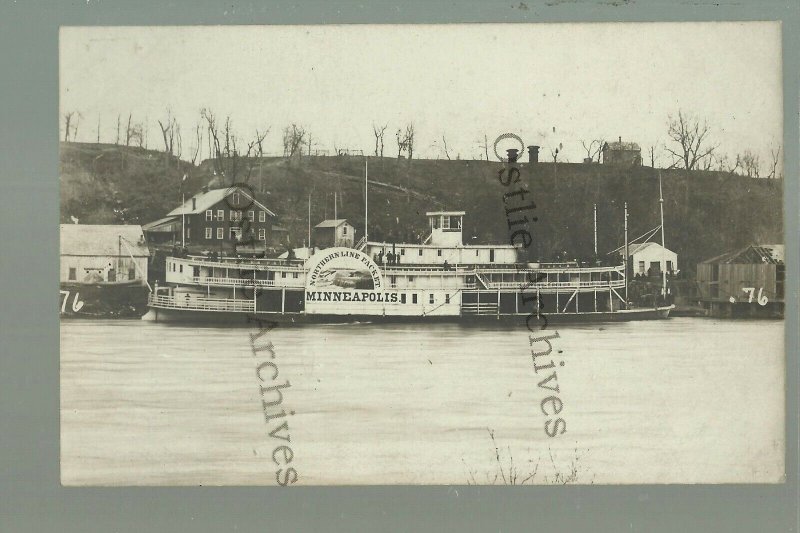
pixel 533 154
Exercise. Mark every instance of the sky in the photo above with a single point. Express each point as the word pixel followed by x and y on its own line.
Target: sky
pixel 551 84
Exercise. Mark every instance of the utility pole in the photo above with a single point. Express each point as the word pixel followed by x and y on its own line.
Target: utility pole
pixel 595 230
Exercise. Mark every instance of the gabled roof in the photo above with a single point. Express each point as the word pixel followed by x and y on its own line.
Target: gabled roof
pixel 752 254
pixel 206 200
pixel 623 146
pixel 162 224
pixel 102 240
pixel 332 223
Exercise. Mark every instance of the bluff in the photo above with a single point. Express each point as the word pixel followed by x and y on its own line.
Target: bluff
pixel 706 213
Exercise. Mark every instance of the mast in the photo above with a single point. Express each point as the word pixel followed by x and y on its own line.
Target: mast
pixel 626 254
pixel 335 212
pixel 309 225
pixel 595 230
pixel 663 248
pixel 366 193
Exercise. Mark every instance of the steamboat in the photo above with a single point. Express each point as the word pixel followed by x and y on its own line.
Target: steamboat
pixel 439 278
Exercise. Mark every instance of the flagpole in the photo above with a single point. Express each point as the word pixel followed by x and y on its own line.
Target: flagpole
pixel 663 248
pixel 366 196
pixel 626 254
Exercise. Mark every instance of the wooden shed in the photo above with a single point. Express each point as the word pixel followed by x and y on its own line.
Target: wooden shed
pixel 745 282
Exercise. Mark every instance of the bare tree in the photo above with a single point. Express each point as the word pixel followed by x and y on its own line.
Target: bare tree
pixel 401 143
pixel 67 124
pixel 128 131
pixel 485 146
pixel 118 124
pixel 379 131
pixel 444 144
pixel 410 140
pixel 197 142
pixel 71 121
pixel 691 136
pixel 293 138
pixel 555 151
pixel 98 128
pixel 593 149
pixel 171 133
pixel 775 154
pixel 751 164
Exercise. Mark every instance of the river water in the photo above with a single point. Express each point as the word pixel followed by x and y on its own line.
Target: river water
pixel 683 400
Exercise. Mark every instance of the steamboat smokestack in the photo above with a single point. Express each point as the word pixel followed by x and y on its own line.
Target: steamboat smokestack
pixel 533 154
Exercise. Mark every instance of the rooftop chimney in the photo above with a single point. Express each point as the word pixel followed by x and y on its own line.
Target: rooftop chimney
pixel 533 154
pixel 620 139
pixel 513 154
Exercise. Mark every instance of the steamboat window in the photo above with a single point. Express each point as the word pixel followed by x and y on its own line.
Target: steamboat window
pixel 72 275
pixel 402 298
pixel 220 214
pixel 188 232
pixel 180 269
pixel 420 252
pixel 209 214
pixel 439 253
pixel 402 251
pixel 295 275
pixel 430 298
pixel 262 234
pixel 283 274
pixel 220 233
pixel 262 216
pixel 393 280
pixel 209 233
pixel 447 298
pixel 414 298
pixel 410 279
pixel 132 272
pixel 491 256
pixel 196 271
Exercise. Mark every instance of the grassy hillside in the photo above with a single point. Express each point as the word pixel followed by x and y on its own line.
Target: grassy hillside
pixel 706 213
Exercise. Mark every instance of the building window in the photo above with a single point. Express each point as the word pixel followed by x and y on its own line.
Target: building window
pixel 209 233
pixel 235 233
pixel 209 214
pixel 132 272
pixel 262 216
pixel 220 214
pixel 344 229
pixel 430 298
pixel 251 215
pixel 669 266
pixel 641 267
pixel 262 234
pixel 235 215
pixel 236 198
pixel 655 266
pixel 220 233
pixel 72 274
pixel 414 298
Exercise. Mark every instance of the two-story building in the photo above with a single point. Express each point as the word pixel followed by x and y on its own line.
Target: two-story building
pixel 215 219
pixel 622 154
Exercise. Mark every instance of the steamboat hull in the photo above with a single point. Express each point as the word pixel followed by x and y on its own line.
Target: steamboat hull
pixel 189 316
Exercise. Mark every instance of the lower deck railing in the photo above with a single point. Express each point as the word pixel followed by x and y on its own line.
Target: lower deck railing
pixel 199 303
